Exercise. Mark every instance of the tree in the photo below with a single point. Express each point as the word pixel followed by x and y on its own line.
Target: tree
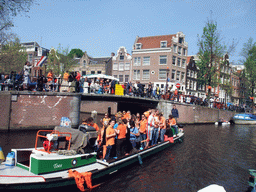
pixel 8 10
pixel 12 57
pixel 75 53
pixel 59 61
pixel 250 71
pixel 211 54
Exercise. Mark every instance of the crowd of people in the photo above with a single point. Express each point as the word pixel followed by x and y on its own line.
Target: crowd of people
pixel 126 133
pixel 74 82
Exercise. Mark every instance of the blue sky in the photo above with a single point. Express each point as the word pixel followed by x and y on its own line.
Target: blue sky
pixel 101 27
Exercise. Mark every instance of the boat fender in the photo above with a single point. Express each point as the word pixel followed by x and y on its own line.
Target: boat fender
pixel 1 155
pixel 80 178
pixel 140 159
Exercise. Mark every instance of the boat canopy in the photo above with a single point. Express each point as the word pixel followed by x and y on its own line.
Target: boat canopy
pixel 101 76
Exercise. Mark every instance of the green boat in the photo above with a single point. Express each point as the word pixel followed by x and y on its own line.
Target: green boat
pixel 48 166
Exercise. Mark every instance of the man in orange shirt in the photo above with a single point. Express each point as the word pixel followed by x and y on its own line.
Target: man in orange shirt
pixel 143 127
pixel 110 138
pixel 92 124
pixel 120 142
pixel 172 123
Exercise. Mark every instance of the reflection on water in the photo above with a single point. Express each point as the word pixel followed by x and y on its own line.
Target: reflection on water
pixel 209 154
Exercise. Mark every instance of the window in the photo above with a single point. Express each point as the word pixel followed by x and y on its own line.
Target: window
pixel 182 78
pixel 146 61
pixel 30 56
pixel 184 51
pixel 188 82
pixel 175 48
pixel 127 66
pixel 195 74
pixel 115 76
pixel 178 63
pixel 174 60
pixel 188 73
pixel 126 78
pixel 195 85
pixel 138 45
pixel 121 57
pixel 98 72
pixel 178 76
pixel 92 72
pixel 191 85
pixel 136 61
pixel 121 66
pixel 136 74
pixel 145 74
pixel 181 40
pixel 163 44
pixel 121 78
pixel 115 66
pixel 183 65
pixel 192 74
pixel 84 62
pixel 163 59
pixel 162 74
pixel 173 74
pixel 179 50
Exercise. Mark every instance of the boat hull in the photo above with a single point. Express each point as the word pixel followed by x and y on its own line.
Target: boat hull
pixel 244 122
pixel 96 173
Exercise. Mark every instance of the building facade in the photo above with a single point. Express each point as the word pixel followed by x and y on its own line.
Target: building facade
pixel 87 65
pixel 121 68
pixel 156 57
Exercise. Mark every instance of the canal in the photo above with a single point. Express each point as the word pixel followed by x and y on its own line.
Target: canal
pixel 209 155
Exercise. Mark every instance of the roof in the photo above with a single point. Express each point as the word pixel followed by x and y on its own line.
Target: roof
pixel 154 41
pixel 99 60
pixel 188 59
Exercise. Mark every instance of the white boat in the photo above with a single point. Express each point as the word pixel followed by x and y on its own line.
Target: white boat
pixel 213 188
pixel 222 123
pixel 45 167
pixel 244 118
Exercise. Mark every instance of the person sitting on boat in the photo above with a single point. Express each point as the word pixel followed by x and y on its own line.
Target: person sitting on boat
pixel 134 135
pixel 121 131
pixel 110 138
pixel 90 122
pixel 172 123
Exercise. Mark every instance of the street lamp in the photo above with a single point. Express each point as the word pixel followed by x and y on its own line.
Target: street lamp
pixel 166 86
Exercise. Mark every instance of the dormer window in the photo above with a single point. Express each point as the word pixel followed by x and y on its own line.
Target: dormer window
pixel 138 45
pixel 163 44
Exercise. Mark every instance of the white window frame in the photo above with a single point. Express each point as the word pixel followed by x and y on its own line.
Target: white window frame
pixel 127 66
pixel 178 76
pixel 184 51
pixel 121 67
pixel 126 78
pixel 161 57
pixel 137 61
pixel 115 66
pixel 174 60
pixel 175 48
pixel 183 63
pixel 163 44
pixel 146 76
pixel 138 45
pixel 182 77
pixel 121 79
pixel 145 61
pixel 173 74
pixel 179 50
pixel 136 74
pixel 179 62
pixel 162 74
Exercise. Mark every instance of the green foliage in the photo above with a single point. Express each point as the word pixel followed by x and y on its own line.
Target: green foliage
pixel 12 57
pixel 210 54
pixel 250 70
pixel 8 10
pixel 59 61
pixel 75 53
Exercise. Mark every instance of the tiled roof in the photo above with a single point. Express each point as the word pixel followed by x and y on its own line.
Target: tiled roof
pixel 99 60
pixel 188 59
pixel 154 41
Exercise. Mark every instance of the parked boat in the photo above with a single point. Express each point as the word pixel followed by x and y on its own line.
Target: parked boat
pixel 222 123
pixel 244 119
pixel 50 166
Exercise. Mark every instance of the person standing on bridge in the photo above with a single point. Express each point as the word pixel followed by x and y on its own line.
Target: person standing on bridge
pixel 175 113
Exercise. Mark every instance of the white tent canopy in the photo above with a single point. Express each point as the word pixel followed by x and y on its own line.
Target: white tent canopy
pixel 102 76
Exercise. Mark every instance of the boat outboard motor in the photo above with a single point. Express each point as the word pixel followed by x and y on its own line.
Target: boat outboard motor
pixel 92 137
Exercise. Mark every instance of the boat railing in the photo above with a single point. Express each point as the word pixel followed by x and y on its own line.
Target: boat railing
pixel 53 133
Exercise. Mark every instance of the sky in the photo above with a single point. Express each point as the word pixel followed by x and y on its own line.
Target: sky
pixel 100 27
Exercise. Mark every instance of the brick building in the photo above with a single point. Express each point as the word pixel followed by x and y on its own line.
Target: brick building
pixel 155 57
pixel 122 65
pixel 93 65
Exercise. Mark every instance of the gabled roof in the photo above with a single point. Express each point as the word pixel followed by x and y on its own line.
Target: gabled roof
pixel 154 41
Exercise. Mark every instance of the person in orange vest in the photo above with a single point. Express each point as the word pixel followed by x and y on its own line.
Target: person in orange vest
pixel 110 139
pixel 50 80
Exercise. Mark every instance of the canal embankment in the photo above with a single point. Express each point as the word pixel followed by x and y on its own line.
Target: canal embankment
pixel 41 110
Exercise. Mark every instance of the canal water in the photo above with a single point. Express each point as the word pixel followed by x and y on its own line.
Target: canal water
pixel 209 155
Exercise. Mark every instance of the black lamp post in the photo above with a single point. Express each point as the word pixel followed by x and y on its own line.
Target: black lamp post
pixel 166 87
